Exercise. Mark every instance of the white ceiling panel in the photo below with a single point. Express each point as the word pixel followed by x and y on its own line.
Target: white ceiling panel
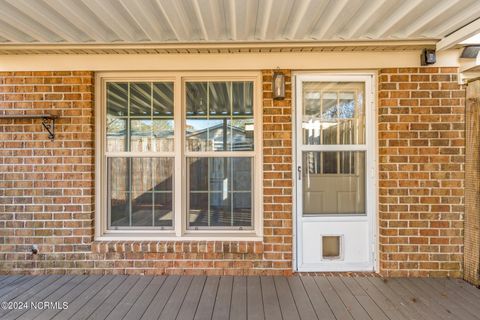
pixel 198 21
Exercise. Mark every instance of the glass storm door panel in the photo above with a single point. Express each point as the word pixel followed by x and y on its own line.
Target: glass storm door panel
pixel 335 165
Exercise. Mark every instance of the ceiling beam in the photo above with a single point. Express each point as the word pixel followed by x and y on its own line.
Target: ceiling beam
pixel 459 35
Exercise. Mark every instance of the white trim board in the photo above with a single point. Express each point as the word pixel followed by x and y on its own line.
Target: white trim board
pixel 227 61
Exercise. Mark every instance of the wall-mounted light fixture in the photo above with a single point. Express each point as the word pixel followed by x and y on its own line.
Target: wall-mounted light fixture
pixel 278 85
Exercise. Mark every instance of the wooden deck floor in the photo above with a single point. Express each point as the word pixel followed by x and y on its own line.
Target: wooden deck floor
pixel 185 297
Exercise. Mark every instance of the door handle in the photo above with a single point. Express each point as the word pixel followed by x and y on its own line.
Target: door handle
pixel 299 170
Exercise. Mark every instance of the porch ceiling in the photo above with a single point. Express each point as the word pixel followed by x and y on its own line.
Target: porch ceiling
pixel 73 22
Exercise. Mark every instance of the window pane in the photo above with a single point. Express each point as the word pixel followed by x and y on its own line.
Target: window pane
pixel 119 171
pixel 220 192
pixel 163 135
pixel 119 209
pixel 140 192
pixel 242 208
pixel 162 174
pixel 140 99
pixel 141 135
pixel 117 111
pixel 163 209
pixel 162 99
pixel 140 117
pixel 220 98
pixel 142 209
pixel 242 98
pixel 242 175
pixel 117 99
pixel 334 182
pixel 333 113
pixel 142 174
pixel 196 93
pixel 219 116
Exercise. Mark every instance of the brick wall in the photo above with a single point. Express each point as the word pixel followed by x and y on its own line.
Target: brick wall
pixel 46 190
pixel 421 167
pixel 46 187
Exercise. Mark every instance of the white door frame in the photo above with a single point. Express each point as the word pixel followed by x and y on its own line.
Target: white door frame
pixel 371 169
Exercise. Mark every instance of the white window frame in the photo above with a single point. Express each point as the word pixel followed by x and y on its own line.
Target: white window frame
pixel 179 231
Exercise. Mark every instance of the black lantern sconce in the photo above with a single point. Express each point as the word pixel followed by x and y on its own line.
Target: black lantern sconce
pixel 278 85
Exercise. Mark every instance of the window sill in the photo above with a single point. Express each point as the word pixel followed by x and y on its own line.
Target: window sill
pixel 189 236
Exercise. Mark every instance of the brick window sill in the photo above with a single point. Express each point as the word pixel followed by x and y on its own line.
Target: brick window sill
pixel 175 246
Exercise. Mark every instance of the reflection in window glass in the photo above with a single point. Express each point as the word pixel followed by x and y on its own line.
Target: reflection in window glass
pixel 140 116
pixel 220 192
pixel 333 113
pixel 140 99
pixel 219 116
pixel 329 105
pixel 117 111
pixel 141 192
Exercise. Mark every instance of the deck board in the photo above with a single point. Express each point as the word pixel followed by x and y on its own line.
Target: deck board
pixel 300 297
pixel 172 307
pixel 36 296
pixel 285 298
pixel 111 301
pixel 80 304
pixel 416 308
pixel 451 301
pixel 334 302
pixel 154 299
pixel 419 295
pixel 221 310
pixel 271 304
pixel 192 298
pixel 304 306
pixel 124 306
pixel 319 303
pixel 58 294
pixel 348 299
pixel 207 300
pixel 254 299
pixel 238 309
pixel 364 299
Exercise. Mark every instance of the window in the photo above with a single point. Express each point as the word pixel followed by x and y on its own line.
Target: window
pixel 333 128
pixel 219 117
pixel 179 156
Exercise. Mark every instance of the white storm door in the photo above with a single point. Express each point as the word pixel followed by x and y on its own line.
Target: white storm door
pixel 335 168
